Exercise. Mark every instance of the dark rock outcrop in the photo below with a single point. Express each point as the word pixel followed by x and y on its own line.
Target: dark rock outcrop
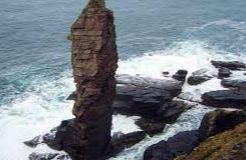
pixel 165 73
pixel 234 83
pixel 232 65
pixel 122 141
pixel 94 62
pixel 224 73
pixel 181 143
pixel 143 96
pixel 170 111
pixel 225 99
pixel 48 156
pixel 34 142
pixel 220 120
pixel 61 136
pixel 150 126
pixel 40 156
pixel 159 151
pixel 195 80
pixel 180 75
pixel 72 96
pixel 199 77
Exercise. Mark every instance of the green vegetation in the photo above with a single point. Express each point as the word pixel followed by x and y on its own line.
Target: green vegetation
pixel 220 145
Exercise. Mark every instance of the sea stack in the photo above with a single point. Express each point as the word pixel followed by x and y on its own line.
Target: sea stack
pixel 94 62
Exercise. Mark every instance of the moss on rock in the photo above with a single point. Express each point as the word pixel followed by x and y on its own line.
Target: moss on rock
pixel 222 146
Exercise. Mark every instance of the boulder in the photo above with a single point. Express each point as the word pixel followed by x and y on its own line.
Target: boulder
pixel 225 98
pixel 234 83
pixel 170 111
pixel 180 75
pixel 150 126
pixel 165 73
pixel 224 73
pixel 195 80
pixel 141 101
pixel 143 96
pixel 220 120
pixel 121 141
pixel 232 65
pixel 181 143
pixel 54 139
pixel 159 151
pixel 34 142
pixel 42 156
pixel 171 85
pixel 199 77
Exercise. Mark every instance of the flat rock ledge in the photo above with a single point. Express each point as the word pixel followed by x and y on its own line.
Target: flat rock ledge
pixel 225 99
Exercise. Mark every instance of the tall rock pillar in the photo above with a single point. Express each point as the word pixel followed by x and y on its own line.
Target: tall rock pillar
pixel 94 62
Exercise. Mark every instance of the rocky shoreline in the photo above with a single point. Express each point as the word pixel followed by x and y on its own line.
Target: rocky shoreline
pixel 157 103
pixel 154 100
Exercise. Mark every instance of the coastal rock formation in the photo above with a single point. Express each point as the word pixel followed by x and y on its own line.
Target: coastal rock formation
pixel 229 145
pixel 225 98
pixel 234 83
pixel 232 65
pixel 150 126
pixel 181 143
pixel 199 77
pixel 94 62
pixel 224 73
pixel 180 75
pixel 220 120
pixel 121 141
pixel 144 96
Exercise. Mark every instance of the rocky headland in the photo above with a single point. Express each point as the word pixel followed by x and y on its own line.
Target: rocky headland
pixel 157 103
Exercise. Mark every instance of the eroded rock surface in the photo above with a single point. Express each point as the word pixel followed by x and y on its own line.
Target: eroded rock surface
pixel 144 96
pixel 150 126
pixel 234 83
pixel 225 98
pixel 232 65
pixel 224 73
pixel 181 143
pixel 180 75
pixel 220 120
pixel 199 77
pixel 94 62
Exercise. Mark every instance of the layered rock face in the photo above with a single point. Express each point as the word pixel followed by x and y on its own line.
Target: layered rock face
pixel 94 62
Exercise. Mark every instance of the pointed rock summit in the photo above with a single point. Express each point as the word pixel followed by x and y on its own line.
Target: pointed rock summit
pixel 94 62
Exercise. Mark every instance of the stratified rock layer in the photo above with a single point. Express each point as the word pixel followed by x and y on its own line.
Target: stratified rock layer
pixel 94 62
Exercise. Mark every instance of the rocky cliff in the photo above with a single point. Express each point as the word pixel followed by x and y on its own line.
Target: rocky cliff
pixel 94 62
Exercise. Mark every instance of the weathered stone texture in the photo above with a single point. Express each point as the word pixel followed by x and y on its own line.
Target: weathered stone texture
pixel 94 62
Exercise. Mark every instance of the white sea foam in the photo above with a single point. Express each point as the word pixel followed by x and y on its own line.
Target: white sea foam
pixel 33 113
pixel 188 55
pixel 189 120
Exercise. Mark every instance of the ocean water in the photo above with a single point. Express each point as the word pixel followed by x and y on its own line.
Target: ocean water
pixel 152 36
